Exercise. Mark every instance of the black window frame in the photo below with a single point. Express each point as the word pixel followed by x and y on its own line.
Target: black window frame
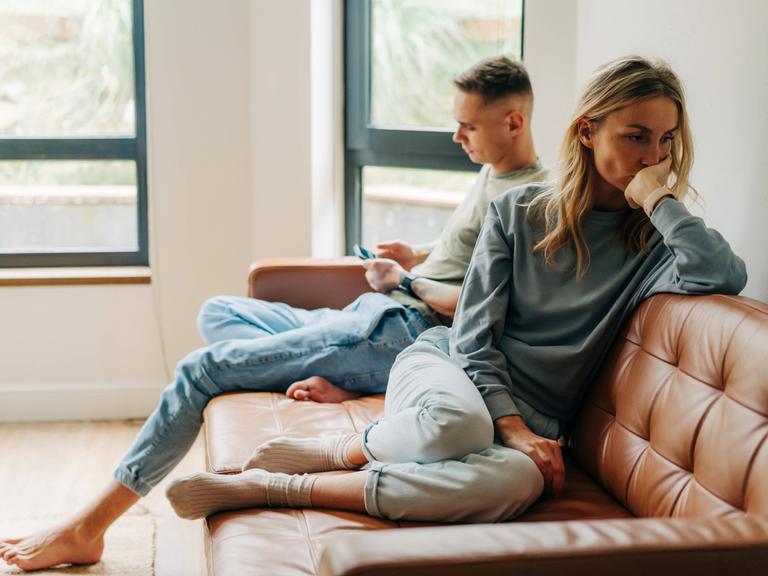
pixel 368 145
pixel 94 148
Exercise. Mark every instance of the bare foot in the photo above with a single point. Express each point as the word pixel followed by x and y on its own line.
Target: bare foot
pixel 318 389
pixel 62 545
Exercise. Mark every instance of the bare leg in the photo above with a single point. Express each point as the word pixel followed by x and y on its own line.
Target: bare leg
pixel 78 541
pixel 340 491
pixel 318 389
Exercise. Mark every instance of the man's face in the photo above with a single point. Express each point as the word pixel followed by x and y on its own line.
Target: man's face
pixel 484 129
pixel 631 139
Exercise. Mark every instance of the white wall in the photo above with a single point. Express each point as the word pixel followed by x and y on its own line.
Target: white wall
pixel 233 171
pixel 550 58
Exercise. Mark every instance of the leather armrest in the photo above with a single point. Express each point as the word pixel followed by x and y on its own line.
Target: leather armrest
pixel 308 282
pixel 627 547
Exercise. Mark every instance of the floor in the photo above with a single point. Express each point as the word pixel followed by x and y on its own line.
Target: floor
pixel 51 468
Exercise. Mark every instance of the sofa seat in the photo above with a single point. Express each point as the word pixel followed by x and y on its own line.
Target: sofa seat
pixel 667 471
pixel 256 541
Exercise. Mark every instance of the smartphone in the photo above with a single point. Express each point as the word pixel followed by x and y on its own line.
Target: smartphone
pixel 362 253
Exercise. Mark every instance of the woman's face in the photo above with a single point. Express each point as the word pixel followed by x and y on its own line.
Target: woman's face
pixel 630 139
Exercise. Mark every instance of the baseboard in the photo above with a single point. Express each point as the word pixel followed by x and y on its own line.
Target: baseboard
pixel 77 401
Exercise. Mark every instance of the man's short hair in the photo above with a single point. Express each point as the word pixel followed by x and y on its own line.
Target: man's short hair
pixel 494 78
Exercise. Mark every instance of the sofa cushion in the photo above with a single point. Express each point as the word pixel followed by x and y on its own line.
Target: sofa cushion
pixel 236 423
pixel 281 541
pixel 678 421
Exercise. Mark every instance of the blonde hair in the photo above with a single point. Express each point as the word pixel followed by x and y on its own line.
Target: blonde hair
pixel 612 87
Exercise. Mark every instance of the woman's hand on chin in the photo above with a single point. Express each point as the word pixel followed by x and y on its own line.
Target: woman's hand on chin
pixel 545 453
pixel 647 181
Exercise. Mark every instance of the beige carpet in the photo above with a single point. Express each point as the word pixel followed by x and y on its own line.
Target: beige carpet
pixel 129 547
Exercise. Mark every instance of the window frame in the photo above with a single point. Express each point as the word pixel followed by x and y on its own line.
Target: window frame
pixel 368 145
pixel 94 148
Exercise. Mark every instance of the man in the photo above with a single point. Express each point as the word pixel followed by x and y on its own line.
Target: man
pixel 328 355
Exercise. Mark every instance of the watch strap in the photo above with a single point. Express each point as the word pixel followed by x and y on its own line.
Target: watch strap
pixel 406 280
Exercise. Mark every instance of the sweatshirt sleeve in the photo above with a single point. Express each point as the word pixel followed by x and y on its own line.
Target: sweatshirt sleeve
pixel 702 260
pixel 481 313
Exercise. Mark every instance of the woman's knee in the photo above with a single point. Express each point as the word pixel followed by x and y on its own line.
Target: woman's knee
pixel 453 431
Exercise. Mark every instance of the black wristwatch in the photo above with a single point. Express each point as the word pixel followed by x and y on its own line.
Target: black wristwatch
pixel 406 280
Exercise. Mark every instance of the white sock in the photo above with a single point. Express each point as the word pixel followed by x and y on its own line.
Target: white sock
pixel 203 493
pixel 301 455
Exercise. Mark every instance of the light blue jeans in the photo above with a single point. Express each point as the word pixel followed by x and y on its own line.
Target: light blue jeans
pixel 266 346
pixel 433 457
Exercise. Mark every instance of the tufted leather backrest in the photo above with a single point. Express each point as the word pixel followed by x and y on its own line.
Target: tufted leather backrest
pixel 677 424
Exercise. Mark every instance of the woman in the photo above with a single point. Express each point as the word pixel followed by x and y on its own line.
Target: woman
pixel 471 431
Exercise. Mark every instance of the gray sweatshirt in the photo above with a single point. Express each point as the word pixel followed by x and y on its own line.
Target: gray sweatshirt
pixel 525 329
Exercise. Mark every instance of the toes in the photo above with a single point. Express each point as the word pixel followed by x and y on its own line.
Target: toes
pixel 291 392
pixel 300 386
pixel 301 394
pixel 5 541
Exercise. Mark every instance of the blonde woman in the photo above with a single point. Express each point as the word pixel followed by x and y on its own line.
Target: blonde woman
pixel 473 416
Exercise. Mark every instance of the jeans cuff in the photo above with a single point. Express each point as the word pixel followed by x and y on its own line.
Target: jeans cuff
pixel 136 485
pixel 370 490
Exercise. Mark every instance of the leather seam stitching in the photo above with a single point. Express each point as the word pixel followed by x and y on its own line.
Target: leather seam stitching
pixel 750 466
pixel 728 349
pixel 301 518
pixel 697 431
pixel 634 465
pixel 275 412
pixel 349 417
pixel 680 494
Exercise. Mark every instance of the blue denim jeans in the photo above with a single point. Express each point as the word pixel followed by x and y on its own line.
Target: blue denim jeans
pixel 263 346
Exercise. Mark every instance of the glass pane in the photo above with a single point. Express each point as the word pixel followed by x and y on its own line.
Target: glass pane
pixel 66 68
pixel 420 45
pixel 410 204
pixel 63 206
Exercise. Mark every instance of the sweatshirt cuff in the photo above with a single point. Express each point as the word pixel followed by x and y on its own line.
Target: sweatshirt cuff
pixel 500 404
pixel 668 214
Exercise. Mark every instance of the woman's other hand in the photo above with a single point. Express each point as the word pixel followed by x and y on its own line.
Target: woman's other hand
pixel 647 181
pixel 383 275
pixel 545 453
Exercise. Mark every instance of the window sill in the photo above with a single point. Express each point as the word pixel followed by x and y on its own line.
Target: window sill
pixel 75 276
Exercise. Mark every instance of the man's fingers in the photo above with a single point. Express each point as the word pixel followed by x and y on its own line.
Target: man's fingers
pixel 389 244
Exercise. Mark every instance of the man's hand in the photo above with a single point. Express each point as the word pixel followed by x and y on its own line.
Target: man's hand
pixel 401 252
pixel 646 181
pixel 545 453
pixel 383 274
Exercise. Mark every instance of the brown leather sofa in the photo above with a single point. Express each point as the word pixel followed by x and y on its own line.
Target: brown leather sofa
pixel 667 472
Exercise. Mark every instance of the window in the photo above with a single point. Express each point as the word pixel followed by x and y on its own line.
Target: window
pixel 403 173
pixel 73 187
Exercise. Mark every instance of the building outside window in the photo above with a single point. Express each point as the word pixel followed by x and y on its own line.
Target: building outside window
pixel 72 133
pixel 404 175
